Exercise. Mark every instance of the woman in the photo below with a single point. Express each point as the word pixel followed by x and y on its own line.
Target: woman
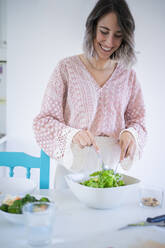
pixel 94 99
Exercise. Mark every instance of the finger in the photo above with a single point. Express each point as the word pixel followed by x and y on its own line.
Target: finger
pixel 76 137
pixel 128 152
pixel 81 138
pixel 123 151
pixel 121 143
pixel 87 138
pixel 78 140
pixel 95 146
pixel 80 146
pixel 83 141
pixel 131 151
pixel 93 142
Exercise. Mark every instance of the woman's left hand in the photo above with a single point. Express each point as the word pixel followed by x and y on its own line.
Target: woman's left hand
pixel 127 144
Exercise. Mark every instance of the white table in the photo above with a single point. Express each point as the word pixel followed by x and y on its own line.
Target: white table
pixel 77 226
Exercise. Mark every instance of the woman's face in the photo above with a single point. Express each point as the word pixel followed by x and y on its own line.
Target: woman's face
pixel 108 36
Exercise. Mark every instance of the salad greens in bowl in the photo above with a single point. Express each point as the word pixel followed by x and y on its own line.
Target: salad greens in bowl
pixel 104 179
pixel 102 189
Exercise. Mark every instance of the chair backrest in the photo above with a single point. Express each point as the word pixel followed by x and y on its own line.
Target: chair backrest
pixel 13 159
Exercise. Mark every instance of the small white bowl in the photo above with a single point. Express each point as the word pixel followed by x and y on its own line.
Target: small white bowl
pixel 19 218
pixel 101 198
pixel 151 196
pixel 12 185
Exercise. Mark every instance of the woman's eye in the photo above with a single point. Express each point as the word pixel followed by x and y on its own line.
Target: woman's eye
pixel 118 36
pixel 104 32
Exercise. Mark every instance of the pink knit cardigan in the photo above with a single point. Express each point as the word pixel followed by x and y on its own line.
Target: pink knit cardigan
pixel 73 101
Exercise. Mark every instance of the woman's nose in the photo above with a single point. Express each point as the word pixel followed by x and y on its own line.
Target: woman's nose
pixel 110 41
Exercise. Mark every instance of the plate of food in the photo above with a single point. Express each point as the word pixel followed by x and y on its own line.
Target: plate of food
pixel 11 206
pixel 102 189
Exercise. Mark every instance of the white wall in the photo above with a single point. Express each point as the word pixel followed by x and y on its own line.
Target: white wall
pixel 39 34
pixel 42 32
pixel 150 40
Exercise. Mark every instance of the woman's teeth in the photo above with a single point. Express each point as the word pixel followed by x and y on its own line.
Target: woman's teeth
pixel 105 48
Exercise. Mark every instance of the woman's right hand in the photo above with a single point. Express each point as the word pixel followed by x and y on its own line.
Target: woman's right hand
pixel 84 138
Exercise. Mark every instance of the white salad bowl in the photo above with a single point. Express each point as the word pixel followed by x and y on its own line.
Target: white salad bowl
pixel 102 198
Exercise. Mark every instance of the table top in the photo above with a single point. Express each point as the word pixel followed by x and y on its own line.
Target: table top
pixel 77 226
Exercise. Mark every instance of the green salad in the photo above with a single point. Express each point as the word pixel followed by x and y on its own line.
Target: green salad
pixel 104 179
pixel 15 205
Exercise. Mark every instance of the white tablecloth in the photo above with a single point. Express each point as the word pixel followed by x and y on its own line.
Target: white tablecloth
pixel 77 226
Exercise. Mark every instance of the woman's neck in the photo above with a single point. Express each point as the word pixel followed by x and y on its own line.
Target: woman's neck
pixel 99 64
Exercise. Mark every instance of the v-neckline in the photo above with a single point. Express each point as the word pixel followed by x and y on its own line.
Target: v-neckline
pixel 92 77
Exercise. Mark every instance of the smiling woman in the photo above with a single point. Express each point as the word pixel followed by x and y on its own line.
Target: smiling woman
pixel 94 99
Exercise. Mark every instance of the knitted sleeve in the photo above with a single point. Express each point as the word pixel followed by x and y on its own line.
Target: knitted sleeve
pixel 51 132
pixel 135 114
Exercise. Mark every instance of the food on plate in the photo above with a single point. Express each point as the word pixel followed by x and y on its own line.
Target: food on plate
pixel 15 204
pixel 150 201
pixel 104 179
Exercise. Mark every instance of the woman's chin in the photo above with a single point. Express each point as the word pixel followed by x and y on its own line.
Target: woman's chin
pixel 103 56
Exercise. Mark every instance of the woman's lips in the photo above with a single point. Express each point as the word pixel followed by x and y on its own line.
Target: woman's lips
pixel 105 49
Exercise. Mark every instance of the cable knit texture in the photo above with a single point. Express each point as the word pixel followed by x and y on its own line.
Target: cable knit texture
pixel 73 101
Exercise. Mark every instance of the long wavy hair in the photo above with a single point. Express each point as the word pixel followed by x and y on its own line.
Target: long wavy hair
pixel 125 54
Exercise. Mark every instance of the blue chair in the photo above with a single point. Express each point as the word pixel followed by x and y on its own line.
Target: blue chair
pixel 13 159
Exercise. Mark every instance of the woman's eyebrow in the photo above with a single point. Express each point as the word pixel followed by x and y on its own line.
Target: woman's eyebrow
pixel 108 29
